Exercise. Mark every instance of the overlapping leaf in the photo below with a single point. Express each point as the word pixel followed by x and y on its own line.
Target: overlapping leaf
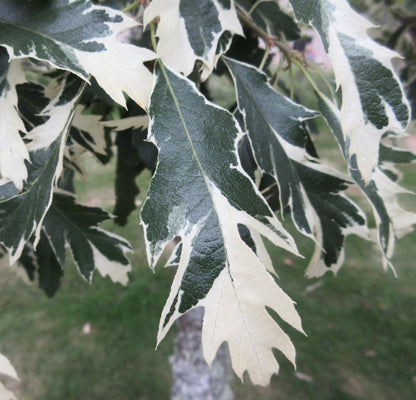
pixel 13 152
pixel 382 193
pixel 7 369
pixel 79 37
pixel 21 215
pixel 91 247
pixel 89 132
pixel 280 143
pixel 191 30
pixel 373 101
pixel 68 224
pixel 201 194
pixel 134 154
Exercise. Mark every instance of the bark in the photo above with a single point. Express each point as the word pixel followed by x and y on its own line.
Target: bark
pixel 193 379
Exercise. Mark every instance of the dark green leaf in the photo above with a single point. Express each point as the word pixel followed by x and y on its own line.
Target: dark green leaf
pixel 201 194
pixel 92 248
pixel 79 37
pixel 280 143
pixel 50 271
pixel 21 215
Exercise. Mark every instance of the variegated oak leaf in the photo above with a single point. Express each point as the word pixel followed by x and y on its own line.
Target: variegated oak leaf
pixel 313 191
pixel 13 152
pixel 21 215
pixel 69 223
pixel 201 194
pixel 80 37
pixel 373 101
pixel 191 30
pixel 382 193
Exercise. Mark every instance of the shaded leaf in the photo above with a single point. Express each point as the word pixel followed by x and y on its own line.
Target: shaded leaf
pixel 69 223
pixel 392 221
pixel 21 216
pixel 28 261
pixel 134 154
pixel 88 131
pixel 50 271
pixel 281 146
pixel 395 155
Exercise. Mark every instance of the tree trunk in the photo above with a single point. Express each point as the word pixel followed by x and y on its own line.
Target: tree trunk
pixel 193 379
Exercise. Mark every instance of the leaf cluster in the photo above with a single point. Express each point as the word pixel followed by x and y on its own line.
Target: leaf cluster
pixel 81 77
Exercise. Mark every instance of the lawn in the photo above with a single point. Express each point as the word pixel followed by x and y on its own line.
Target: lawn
pixel 96 342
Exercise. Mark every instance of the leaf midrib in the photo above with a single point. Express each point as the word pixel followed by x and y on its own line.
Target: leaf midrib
pixel 189 137
pixel 178 107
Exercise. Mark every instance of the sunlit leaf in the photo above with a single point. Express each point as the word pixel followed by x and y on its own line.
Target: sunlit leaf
pixel 201 194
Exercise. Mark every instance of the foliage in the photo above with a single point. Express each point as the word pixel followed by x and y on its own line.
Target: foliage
pixel 223 179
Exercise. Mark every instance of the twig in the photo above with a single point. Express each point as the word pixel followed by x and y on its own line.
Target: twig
pixel 270 39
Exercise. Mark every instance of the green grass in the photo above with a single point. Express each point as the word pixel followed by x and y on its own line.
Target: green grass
pixel 361 327
pixel 361 330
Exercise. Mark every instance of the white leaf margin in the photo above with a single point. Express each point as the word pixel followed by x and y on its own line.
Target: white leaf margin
pixel 6 368
pixel 400 220
pixel 13 152
pixel 362 136
pixel 42 136
pixel 119 68
pixel 117 272
pixel 235 307
pixel 242 258
pixel 6 394
pixel 174 47
pixel 246 282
